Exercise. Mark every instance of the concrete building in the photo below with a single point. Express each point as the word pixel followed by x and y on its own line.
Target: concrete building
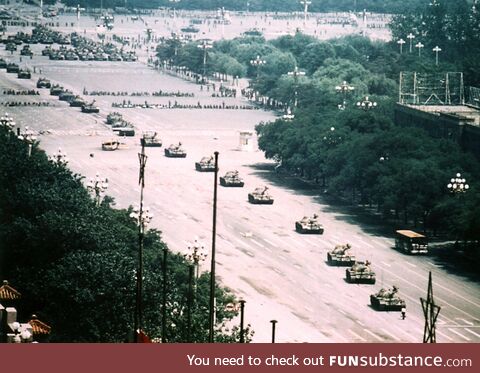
pixel 460 123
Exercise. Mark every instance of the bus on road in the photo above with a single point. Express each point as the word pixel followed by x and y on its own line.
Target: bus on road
pixel 411 242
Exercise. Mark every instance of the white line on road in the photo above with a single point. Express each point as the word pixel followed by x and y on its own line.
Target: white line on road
pixel 472 332
pixel 444 335
pixel 282 257
pixel 229 226
pixel 433 264
pixel 360 323
pixel 257 243
pixel 270 242
pixel 356 335
pixel 386 264
pixel 393 336
pixel 374 335
pixel 411 264
pixel 459 334
pixel 308 309
pixel 465 321
pixel 269 250
pixel 342 312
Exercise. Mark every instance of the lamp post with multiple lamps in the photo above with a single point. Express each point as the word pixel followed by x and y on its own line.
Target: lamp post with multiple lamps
pixel 401 42
pixel 419 46
pixel 174 2
pixel 366 104
pixel 7 122
pixel 296 73
pixel 194 257
pixel 257 63
pixel 458 184
pixel 205 46
pixel 305 3
pixel 437 49
pixel 344 89
pixel 29 137
pixel 410 37
pixel 97 185
pixel 59 158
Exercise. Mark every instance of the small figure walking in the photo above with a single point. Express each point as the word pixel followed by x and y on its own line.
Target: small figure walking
pixel 404 310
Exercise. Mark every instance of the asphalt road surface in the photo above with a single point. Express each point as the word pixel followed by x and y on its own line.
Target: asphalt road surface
pixel 282 275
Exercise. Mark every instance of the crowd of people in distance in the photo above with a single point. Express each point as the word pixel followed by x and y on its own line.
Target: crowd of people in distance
pixel 24 103
pixel 15 92
pixel 159 93
pixel 176 105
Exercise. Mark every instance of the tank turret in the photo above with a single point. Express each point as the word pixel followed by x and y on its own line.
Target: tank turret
pixel 387 300
pixel 43 83
pixel 360 272
pixel 114 117
pixel 13 68
pixel 151 139
pixel 56 89
pixel 340 256
pixel 24 74
pixel 231 179
pixel 77 101
pixel 175 151
pixel 309 225
pixel 260 196
pixel 206 164
pixel 90 108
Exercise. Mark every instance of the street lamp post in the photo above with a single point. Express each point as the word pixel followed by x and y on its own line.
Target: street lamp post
pixel 366 104
pixel 242 312
pixel 205 45
pixel 273 330
pixel 196 256
pixel 401 42
pixel 29 137
pixel 174 2
pixel 419 45
pixel 257 63
pixel 437 49
pixel 212 268
pixel 296 73
pixel 98 185
pixel 7 122
pixel 288 116
pixel 59 158
pixel 305 3
pixel 344 89
pixel 410 37
pixel 458 184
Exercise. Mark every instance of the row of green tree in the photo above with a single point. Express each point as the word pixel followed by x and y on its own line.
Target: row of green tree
pixel 75 262
pixel 384 6
pixel 355 153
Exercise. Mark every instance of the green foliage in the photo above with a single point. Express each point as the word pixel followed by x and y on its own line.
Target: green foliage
pixel 75 262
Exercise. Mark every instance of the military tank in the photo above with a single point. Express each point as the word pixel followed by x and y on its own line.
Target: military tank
pixel 309 225
pixel 206 164
pixel 387 300
pixel 360 273
pixel 151 139
pixel 339 256
pixel 260 196
pixel 110 145
pixel 231 179
pixel 24 74
pixel 56 90
pixel 125 131
pixel 77 101
pixel 67 96
pixel 26 51
pixel 90 108
pixel 175 151
pixel 43 83
pixel 114 117
pixel 3 63
pixel 13 68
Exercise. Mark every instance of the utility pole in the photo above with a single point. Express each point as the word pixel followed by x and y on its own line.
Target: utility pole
pixel 430 311
pixel 212 269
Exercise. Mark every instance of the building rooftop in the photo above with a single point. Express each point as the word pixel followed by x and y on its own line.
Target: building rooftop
pixel 463 113
pixel 39 327
pixel 8 293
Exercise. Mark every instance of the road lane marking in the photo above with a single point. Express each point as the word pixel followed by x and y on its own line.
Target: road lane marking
pixel 435 265
pixel 393 336
pixel 270 242
pixel 459 334
pixel 472 332
pixel 282 257
pixel 269 250
pixel 360 323
pixel 411 264
pixel 356 335
pixel 229 226
pixel 373 335
pixel 309 309
pixel 342 312
pixel 386 264
pixel 465 321
pixel 257 243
